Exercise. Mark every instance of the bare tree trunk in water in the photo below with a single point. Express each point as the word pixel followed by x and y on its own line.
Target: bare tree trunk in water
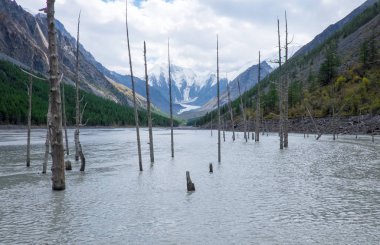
pixel 224 130
pixel 243 111
pixel 47 149
pixel 78 116
pixel 258 114
pixel 30 91
pixel 218 94
pixel 280 92
pixel 77 102
pixel 286 85
pixel 151 150
pixel 133 90
pixel 64 119
pixel 171 104
pixel 56 141
pixel 231 113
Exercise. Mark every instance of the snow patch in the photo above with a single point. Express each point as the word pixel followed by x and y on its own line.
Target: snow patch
pixel 187 107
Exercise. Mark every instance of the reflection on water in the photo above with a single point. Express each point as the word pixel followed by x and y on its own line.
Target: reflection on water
pixel 314 192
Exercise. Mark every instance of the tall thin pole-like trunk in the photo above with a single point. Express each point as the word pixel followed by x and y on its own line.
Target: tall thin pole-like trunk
pixel 64 119
pixel 224 130
pixel 258 114
pixel 77 102
pixel 30 90
pixel 133 90
pixel 148 108
pixel 231 113
pixel 286 85
pixel 171 104
pixel 56 142
pixel 218 94
pixel 280 91
pixel 78 115
pixel 243 112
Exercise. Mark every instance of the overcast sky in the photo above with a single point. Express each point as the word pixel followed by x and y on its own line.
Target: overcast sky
pixel 244 27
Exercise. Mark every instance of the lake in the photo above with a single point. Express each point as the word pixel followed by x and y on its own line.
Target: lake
pixel 322 191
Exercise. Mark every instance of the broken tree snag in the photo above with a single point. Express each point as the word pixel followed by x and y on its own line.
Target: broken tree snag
pixel 171 104
pixel 190 184
pixel 151 150
pixel 286 89
pixel 68 165
pixel 82 158
pixel 211 168
pixel 218 95
pixel 133 90
pixel 56 140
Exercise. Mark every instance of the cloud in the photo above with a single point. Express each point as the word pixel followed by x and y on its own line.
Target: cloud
pixel 244 27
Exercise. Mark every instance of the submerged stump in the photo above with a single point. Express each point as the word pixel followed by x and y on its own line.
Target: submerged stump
pixel 190 184
pixel 68 165
pixel 211 168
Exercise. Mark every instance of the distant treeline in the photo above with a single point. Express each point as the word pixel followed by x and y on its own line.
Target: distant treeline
pixel 98 112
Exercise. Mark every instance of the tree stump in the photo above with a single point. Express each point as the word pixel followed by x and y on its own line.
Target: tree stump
pixel 211 168
pixel 68 165
pixel 190 184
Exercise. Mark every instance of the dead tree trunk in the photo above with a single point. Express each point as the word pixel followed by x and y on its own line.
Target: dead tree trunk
pixel 148 108
pixel 56 142
pixel 171 104
pixel 243 112
pixel 312 119
pixel 78 114
pixel 77 102
pixel 286 86
pixel 190 184
pixel 224 130
pixel 64 119
pixel 133 90
pixel 30 90
pixel 218 94
pixel 280 91
pixel 231 113
pixel 257 124
pixel 47 147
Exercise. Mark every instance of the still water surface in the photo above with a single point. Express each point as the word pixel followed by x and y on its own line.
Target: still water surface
pixel 314 192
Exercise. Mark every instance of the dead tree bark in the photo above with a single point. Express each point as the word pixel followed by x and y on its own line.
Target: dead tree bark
pixel 56 142
pixel 64 119
pixel 243 112
pixel 280 91
pixel 190 184
pixel 149 111
pixel 133 90
pixel 224 130
pixel 258 114
pixel 77 102
pixel 231 113
pixel 30 91
pixel 218 94
pixel 285 90
pixel 171 104
pixel 78 114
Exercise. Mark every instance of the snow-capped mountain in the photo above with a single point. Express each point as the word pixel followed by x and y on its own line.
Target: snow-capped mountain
pixel 190 90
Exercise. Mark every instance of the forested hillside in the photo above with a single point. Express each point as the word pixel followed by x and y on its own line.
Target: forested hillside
pixel 99 111
pixel 339 77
